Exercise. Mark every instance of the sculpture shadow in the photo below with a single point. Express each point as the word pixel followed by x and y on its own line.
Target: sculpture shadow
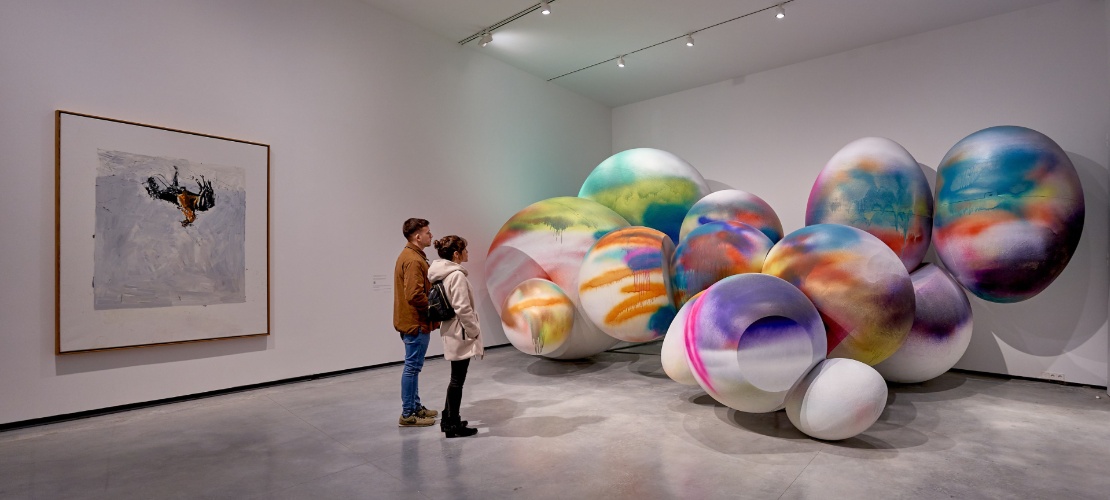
pixel 706 400
pixel 1072 309
pixel 540 426
pixel 500 410
pixel 948 386
pixel 546 367
pixel 503 417
pixel 650 367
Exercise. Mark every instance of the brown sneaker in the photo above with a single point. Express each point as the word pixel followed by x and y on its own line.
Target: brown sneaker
pixel 426 413
pixel 415 420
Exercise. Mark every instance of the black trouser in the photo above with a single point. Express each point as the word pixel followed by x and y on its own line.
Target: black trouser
pixel 455 390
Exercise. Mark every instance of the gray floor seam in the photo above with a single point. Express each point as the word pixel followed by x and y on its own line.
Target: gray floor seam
pixel 799 474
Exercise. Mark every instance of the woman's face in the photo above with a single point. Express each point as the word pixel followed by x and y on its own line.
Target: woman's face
pixel 462 256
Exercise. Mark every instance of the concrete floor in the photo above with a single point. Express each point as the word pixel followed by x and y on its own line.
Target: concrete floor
pixel 613 426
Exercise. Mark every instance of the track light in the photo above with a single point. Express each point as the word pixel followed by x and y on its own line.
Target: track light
pixel 544 8
pixel 486 38
pixel 779 9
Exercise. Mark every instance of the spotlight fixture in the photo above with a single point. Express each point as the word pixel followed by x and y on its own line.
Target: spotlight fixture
pixel 778 7
pixel 544 8
pixel 486 38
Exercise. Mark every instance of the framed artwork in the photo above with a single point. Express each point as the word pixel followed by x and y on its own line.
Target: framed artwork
pixel 162 235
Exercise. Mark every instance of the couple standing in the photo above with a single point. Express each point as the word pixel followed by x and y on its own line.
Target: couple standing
pixel 412 280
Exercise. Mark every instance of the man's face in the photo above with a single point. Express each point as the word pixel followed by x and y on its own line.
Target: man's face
pixel 424 237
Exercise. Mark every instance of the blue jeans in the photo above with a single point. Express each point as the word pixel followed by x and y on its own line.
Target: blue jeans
pixel 415 348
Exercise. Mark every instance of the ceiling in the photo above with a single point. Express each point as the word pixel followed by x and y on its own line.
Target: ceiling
pixel 581 33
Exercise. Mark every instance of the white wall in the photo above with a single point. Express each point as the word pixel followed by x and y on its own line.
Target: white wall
pixel 1045 68
pixel 370 120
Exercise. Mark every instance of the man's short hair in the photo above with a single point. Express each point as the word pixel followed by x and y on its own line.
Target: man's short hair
pixel 411 226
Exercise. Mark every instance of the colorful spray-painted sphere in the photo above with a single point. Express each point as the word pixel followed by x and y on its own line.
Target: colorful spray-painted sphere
pixel 508 267
pixel 556 233
pixel 874 184
pixel 548 240
pixel 648 187
pixel 838 399
pixel 624 286
pixel 715 251
pixel 750 338
pixel 860 287
pixel 1009 212
pixel 537 317
pixel 673 353
pixel 736 206
pixel 941 329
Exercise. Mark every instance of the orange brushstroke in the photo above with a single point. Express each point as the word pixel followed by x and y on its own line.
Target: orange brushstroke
pixel 606 278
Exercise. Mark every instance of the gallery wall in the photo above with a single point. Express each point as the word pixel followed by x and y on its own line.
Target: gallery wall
pixel 1044 68
pixel 370 121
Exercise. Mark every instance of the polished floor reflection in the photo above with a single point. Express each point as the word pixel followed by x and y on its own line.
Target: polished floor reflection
pixel 613 426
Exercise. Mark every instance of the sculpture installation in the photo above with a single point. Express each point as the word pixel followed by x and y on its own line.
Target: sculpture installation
pixel 810 322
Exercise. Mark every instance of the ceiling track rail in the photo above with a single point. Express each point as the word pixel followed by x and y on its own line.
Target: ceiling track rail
pixel 502 22
pixel 614 58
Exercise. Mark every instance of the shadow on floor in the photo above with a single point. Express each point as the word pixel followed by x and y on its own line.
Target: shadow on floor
pixel 545 427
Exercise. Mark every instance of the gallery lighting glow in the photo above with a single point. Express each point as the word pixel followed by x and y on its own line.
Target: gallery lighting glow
pixel 689 38
pixel 544 6
pixel 484 37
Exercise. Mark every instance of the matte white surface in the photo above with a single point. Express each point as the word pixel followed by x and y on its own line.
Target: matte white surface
pixel 370 121
pixel 1044 67
pixel 838 399
pixel 672 352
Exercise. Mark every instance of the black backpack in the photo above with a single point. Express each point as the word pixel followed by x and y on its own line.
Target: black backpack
pixel 439 308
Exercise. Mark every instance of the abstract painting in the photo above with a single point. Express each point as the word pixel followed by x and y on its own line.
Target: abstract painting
pixel 162 235
pixel 160 243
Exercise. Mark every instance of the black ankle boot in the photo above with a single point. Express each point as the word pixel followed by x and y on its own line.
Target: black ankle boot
pixel 460 431
pixel 448 422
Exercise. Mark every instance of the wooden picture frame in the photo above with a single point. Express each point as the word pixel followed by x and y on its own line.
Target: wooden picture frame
pixel 162 235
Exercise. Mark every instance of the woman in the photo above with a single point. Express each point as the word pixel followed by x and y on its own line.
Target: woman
pixel 462 335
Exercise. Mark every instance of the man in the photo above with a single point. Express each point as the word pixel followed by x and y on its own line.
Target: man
pixel 410 318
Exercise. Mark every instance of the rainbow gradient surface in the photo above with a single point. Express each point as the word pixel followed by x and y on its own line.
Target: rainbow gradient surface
pixel 555 234
pixel 624 284
pixel 1010 212
pixel 548 240
pixel 874 184
pixel 538 317
pixel 750 338
pixel 733 205
pixel 857 283
pixel 714 251
pixel 648 187
pixel 941 331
